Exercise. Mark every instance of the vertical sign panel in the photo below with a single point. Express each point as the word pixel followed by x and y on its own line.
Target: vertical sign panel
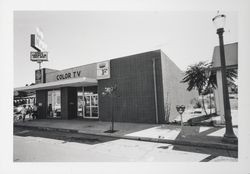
pixel 103 70
pixel 40 76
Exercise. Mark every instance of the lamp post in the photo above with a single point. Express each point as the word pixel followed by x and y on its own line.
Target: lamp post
pixel 229 135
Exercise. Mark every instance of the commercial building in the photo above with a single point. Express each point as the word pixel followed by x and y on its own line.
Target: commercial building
pixel 231 56
pixel 147 90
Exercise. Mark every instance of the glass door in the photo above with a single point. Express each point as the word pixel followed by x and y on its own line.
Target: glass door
pixel 91 106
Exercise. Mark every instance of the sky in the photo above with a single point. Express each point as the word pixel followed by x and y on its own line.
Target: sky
pixel 76 38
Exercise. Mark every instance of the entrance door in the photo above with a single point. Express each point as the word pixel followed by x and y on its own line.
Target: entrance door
pixel 91 106
pixel 54 104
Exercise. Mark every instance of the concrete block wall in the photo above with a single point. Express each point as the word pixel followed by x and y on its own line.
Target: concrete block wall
pixel 134 99
pixel 174 91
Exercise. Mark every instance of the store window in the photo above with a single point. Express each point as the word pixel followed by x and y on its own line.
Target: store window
pixel 54 104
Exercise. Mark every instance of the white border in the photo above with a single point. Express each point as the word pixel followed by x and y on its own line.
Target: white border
pixel 6 34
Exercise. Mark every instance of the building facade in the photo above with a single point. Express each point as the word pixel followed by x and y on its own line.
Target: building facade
pixel 147 90
pixel 231 58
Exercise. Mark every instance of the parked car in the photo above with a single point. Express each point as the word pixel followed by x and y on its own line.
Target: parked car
pixel 198 111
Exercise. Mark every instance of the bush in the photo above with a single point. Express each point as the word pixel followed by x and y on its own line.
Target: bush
pixel 196 103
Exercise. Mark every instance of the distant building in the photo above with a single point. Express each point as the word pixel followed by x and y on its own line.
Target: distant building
pixel 22 97
pixel 148 90
pixel 231 57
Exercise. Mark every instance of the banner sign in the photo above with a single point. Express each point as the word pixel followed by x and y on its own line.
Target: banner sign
pixel 103 70
pixel 39 56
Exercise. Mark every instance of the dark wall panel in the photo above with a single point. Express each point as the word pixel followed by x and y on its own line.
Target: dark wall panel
pixel 68 102
pixel 72 103
pixel 134 99
pixel 64 103
pixel 41 99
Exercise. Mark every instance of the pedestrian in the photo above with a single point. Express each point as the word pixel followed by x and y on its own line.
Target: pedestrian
pixel 50 110
pixel 34 114
pixel 24 112
pixel 29 111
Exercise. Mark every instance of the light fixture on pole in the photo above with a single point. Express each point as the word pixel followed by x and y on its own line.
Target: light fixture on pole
pixel 229 135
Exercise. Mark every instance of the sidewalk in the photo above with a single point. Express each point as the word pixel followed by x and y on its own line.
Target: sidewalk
pixel 189 135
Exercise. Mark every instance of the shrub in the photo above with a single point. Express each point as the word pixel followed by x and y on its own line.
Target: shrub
pixel 196 103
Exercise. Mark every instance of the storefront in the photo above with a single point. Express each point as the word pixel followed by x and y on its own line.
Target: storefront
pixel 147 90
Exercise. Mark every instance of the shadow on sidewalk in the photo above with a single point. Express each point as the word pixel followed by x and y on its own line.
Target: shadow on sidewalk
pixel 65 137
pixel 213 153
pixel 194 134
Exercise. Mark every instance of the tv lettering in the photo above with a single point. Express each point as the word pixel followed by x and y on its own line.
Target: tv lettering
pixel 68 75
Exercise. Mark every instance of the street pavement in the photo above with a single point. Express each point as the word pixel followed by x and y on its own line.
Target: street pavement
pixel 31 145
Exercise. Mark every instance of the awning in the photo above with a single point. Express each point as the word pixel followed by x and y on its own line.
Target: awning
pixel 57 84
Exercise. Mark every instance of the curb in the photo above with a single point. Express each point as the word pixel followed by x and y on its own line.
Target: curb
pixel 48 128
pixel 147 139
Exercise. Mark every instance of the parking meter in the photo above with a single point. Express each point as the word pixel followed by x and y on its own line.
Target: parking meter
pixel 180 109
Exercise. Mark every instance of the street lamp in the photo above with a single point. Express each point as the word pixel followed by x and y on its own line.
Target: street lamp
pixel 229 135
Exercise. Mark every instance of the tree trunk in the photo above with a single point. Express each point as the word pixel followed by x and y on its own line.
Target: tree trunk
pixel 203 104
pixel 210 98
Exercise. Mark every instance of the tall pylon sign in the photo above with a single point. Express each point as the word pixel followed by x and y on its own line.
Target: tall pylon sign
pixel 37 42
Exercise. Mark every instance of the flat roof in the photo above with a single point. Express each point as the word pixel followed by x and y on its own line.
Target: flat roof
pixel 83 81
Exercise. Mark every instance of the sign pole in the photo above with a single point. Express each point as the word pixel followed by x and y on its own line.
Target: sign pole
pixel 39 62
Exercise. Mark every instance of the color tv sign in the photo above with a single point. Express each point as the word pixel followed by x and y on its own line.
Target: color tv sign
pixel 103 70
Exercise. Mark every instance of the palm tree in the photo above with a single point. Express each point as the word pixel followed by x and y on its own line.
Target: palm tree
pixel 195 76
pixel 230 73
